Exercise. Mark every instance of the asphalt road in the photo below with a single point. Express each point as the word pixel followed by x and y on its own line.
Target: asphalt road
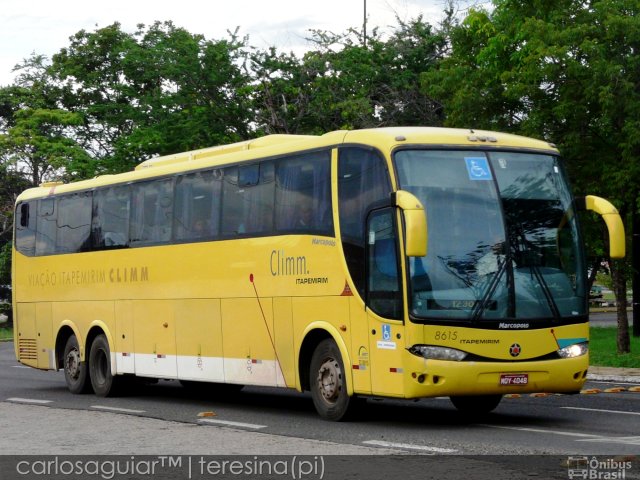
pixel 608 319
pixel 587 424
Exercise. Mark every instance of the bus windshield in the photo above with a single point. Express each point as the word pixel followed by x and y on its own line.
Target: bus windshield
pixel 503 237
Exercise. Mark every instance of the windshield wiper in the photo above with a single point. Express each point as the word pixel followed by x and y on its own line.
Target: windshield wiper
pixel 481 306
pixel 545 290
pixel 537 273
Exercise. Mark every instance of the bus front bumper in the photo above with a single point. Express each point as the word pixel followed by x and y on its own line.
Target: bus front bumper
pixel 434 378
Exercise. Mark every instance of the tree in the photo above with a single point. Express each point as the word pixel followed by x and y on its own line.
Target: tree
pixel 158 91
pixel 36 136
pixel 567 71
pixel 38 146
pixel 343 84
pixel 11 185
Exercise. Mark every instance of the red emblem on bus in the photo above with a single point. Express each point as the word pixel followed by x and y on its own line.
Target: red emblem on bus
pixel 515 349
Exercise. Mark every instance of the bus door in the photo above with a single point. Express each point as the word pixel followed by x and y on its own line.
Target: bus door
pixel 384 303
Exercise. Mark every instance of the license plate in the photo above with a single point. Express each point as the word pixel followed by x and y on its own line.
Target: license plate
pixel 516 379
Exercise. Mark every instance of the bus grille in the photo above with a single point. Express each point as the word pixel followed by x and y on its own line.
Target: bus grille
pixel 27 349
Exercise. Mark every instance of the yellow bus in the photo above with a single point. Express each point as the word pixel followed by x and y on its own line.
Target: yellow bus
pixel 301 262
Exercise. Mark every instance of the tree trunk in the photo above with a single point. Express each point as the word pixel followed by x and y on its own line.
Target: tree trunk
pixel 593 272
pixel 635 269
pixel 619 278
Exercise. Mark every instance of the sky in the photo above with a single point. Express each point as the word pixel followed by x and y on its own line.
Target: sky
pixel 44 26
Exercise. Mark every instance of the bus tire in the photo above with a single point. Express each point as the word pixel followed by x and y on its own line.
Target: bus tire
pixel 476 404
pixel 103 382
pixel 328 384
pixel 75 371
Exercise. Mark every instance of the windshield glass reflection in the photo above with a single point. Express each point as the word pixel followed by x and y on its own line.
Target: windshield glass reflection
pixel 503 239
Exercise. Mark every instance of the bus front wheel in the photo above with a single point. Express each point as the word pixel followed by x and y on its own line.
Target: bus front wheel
pixel 476 404
pixel 103 382
pixel 75 371
pixel 328 384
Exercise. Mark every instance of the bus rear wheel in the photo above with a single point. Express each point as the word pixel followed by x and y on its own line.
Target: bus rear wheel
pixel 103 382
pixel 328 384
pixel 75 370
pixel 476 404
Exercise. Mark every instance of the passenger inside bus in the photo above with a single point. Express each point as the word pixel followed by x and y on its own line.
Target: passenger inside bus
pixel 304 216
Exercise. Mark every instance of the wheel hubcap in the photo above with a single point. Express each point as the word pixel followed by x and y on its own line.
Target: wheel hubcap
pixel 72 364
pixel 329 380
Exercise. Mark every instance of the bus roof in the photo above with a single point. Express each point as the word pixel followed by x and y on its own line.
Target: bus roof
pixel 385 139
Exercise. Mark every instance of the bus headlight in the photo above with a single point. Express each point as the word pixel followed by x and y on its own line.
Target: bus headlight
pixel 575 350
pixel 431 352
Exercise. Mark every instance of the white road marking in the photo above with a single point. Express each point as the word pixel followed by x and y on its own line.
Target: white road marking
pixel 409 446
pixel 622 440
pixel 582 437
pixel 20 366
pixel 116 409
pixel 540 430
pixel 29 400
pixel 601 410
pixel 228 423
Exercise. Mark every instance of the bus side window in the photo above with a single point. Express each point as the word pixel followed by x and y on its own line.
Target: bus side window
pixel 362 180
pixel 247 199
pixel 46 228
pixel 74 223
pixel 197 209
pixel 152 211
pixel 26 228
pixel 384 293
pixel 110 226
pixel 232 204
pixel 257 191
pixel 303 194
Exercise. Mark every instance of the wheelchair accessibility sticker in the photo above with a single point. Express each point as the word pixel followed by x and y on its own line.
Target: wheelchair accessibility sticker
pixel 386 343
pixel 478 168
pixel 386 332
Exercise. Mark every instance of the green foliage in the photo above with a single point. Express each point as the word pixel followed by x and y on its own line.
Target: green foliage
pixel 36 136
pixel 343 84
pixel 5 279
pixel 5 264
pixel 6 333
pixel 39 142
pixel 11 184
pixel 565 71
pixel 112 98
pixel 604 279
pixel 158 91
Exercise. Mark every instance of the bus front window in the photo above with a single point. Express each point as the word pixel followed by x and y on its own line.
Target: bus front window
pixel 503 238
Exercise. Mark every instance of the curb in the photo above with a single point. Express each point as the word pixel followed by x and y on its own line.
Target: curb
pixel 614 378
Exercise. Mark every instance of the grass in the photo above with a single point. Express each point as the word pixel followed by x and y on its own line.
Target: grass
pixel 603 349
pixel 6 333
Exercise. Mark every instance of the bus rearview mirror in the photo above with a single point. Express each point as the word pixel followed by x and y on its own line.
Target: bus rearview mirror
pixel 612 220
pixel 415 220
